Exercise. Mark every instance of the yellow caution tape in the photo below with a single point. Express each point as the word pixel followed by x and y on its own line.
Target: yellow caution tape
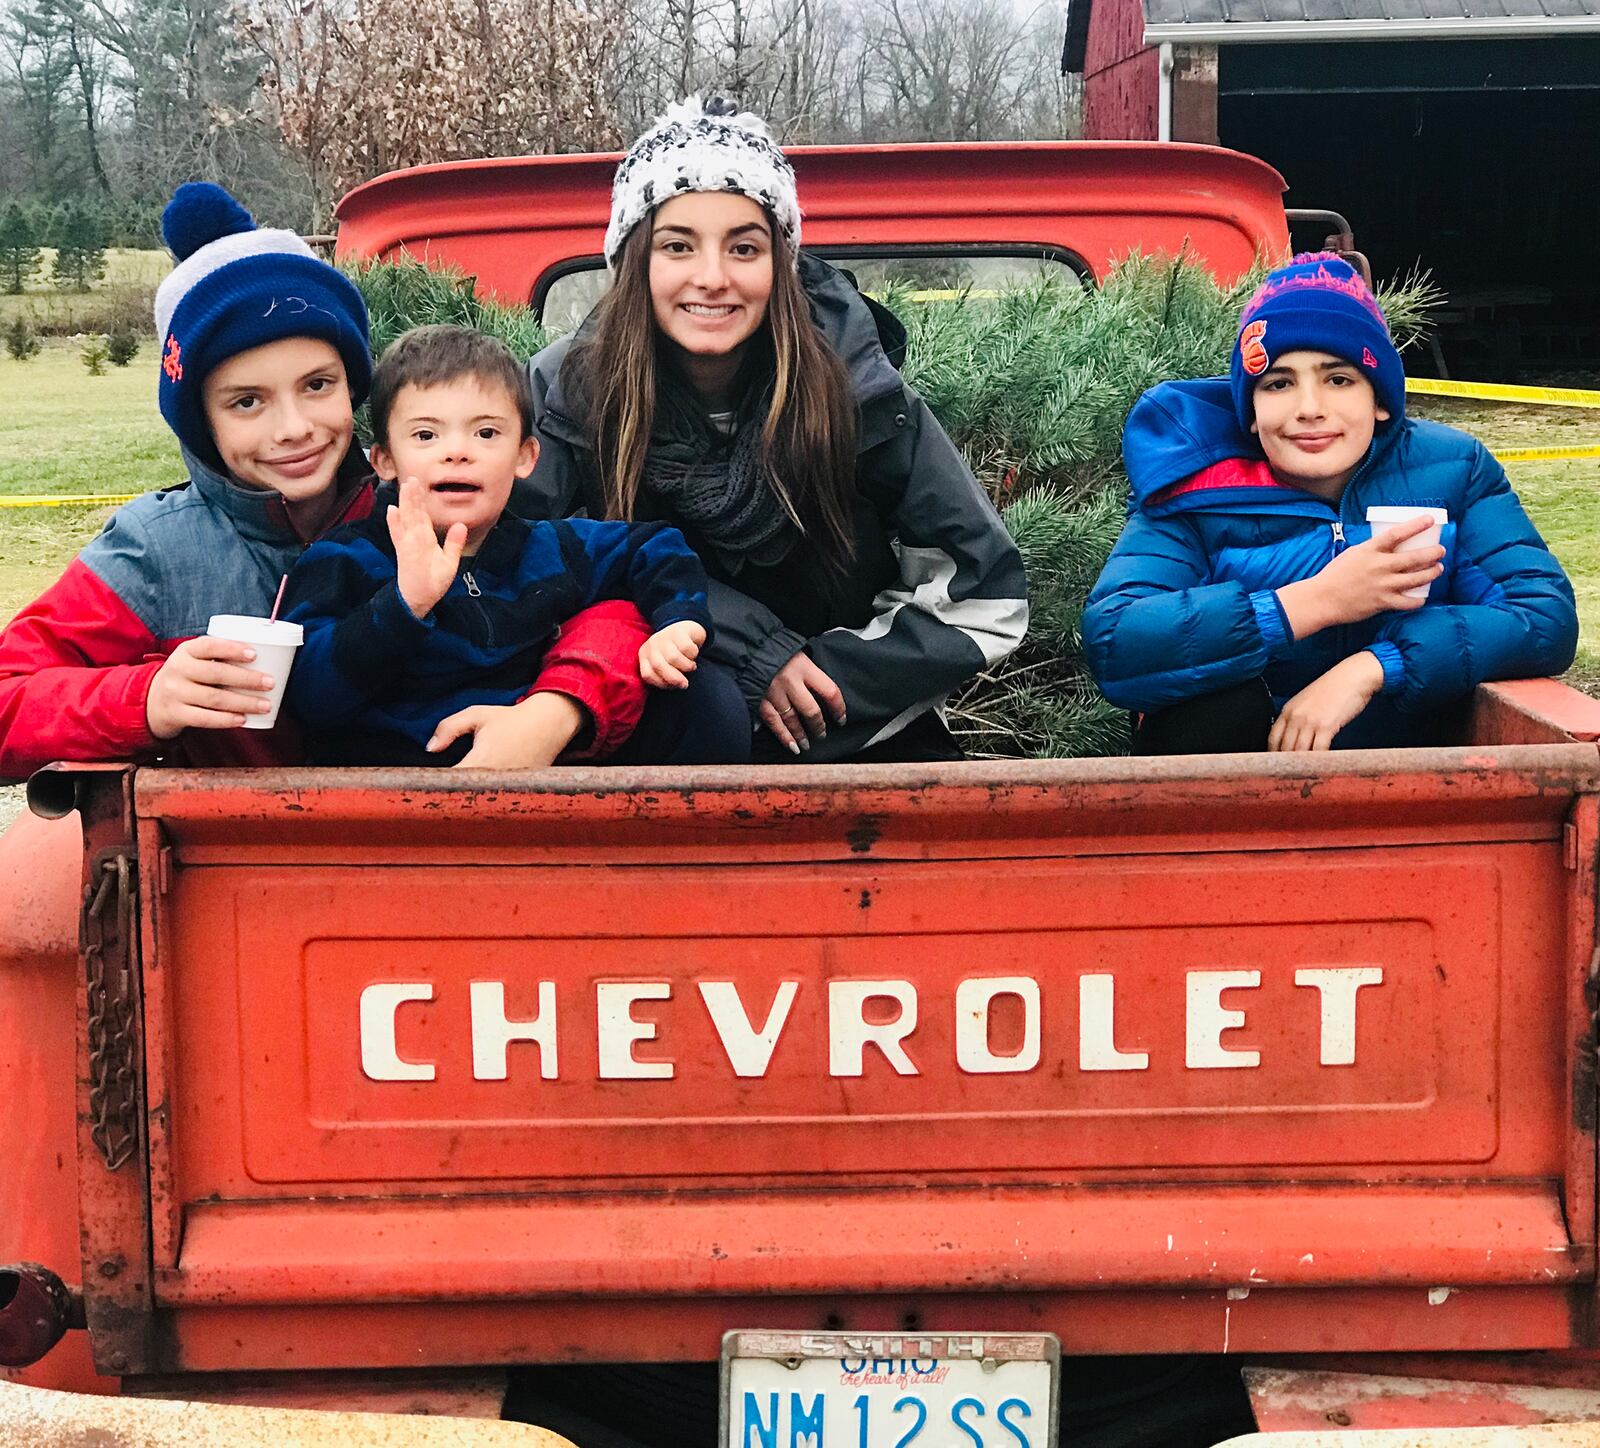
pixel 67 500
pixel 1545 454
pixel 1504 392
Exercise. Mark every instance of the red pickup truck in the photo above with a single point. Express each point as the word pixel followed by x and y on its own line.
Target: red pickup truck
pixel 907 1077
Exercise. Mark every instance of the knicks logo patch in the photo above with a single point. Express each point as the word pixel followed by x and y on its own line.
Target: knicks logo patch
pixel 1368 360
pixel 171 364
pixel 1251 351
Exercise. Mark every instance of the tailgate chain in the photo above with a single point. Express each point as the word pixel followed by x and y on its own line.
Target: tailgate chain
pixel 113 1096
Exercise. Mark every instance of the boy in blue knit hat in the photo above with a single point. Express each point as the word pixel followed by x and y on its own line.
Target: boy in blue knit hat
pixel 263 357
pixel 1250 604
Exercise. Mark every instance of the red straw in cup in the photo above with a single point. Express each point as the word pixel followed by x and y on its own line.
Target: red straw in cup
pixel 277 603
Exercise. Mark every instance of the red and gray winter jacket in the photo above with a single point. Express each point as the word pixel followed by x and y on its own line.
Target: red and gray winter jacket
pixel 77 663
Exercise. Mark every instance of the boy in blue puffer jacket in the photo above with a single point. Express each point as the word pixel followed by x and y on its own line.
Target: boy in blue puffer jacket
pixel 1248 604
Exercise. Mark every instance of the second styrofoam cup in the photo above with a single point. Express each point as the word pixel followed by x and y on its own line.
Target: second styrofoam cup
pixel 1388 515
pixel 274 642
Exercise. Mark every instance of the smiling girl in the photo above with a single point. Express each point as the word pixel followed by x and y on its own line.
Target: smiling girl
pixel 1249 604
pixel 740 389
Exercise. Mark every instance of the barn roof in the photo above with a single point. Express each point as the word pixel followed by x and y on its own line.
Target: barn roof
pixel 1256 21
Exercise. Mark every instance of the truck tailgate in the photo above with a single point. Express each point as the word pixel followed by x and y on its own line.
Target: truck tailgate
pixel 1187 1055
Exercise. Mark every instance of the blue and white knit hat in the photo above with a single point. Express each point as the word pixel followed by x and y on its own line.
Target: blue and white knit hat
pixel 1317 303
pixel 710 146
pixel 238 286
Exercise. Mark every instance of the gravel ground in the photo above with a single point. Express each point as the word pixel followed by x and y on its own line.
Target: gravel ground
pixel 11 805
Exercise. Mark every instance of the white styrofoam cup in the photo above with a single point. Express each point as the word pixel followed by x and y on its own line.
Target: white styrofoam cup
pixel 1387 515
pixel 274 643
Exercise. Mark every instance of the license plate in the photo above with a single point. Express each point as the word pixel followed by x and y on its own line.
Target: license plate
pixel 854 1390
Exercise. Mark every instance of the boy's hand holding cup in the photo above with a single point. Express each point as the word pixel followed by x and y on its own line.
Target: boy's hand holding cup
pixel 1389 573
pixel 424 567
pixel 1401 523
pixel 206 682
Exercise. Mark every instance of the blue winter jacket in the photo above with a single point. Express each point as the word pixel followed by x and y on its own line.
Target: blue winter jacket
pixel 372 681
pixel 1187 601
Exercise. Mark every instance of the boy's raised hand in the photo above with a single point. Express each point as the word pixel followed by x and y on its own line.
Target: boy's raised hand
pixel 667 657
pixel 1371 578
pixel 204 684
pixel 425 568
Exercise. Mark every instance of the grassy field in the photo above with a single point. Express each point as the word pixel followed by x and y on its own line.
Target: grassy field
pixel 65 432
pixel 131 276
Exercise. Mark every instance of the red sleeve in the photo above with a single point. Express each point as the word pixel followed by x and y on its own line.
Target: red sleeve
pixel 595 660
pixel 75 669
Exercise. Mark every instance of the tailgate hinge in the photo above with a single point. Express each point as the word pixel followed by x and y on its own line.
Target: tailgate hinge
pixel 110 932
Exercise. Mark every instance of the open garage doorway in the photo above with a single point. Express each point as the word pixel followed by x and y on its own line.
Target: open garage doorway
pixel 1478 160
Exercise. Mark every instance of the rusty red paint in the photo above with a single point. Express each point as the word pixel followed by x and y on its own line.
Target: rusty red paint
pixel 581 1329
pixel 114 1204
pixel 896 1241
pixel 40 871
pixel 1291 1400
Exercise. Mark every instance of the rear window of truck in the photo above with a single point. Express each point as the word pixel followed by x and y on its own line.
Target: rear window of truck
pixel 565 295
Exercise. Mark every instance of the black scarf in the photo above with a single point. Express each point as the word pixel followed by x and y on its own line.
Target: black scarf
pixel 717 486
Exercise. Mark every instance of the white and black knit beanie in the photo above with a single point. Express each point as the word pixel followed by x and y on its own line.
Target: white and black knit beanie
pixel 703 146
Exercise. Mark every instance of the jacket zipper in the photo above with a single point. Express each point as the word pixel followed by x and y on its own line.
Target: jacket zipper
pixel 473 591
pixel 1342 636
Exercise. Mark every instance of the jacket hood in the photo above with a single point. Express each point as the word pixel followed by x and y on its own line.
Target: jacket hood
pixel 868 338
pixel 862 332
pixel 256 513
pixel 1179 429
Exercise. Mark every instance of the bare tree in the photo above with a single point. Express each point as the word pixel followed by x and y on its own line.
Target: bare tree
pixel 392 83
pixel 835 70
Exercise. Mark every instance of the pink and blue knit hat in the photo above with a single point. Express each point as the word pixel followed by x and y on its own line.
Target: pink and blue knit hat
pixel 1318 303
pixel 238 286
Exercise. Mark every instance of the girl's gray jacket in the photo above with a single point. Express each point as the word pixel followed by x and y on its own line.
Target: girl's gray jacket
pixel 958 603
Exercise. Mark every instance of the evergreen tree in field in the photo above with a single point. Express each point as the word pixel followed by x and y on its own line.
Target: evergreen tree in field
pixel 19 249
pixel 80 248
pixel 20 341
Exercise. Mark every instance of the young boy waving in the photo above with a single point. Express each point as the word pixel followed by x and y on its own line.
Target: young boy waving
pixel 425 622
pixel 1249 604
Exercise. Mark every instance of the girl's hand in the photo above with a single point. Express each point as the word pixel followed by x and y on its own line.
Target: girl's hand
pixel 1371 578
pixel 204 685
pixel 1321 709
pixel 529 735
pixel 425 570
pixel 666 658
pixel 796 698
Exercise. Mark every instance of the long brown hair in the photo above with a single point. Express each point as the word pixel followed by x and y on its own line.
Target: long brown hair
pixel 808 437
